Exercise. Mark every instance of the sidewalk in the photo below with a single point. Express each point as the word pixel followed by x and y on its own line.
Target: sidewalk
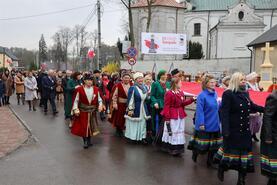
pixel 12 133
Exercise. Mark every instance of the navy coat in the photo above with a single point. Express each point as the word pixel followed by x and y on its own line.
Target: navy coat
pixel 235 110
pixel 2 88
pixel 48 87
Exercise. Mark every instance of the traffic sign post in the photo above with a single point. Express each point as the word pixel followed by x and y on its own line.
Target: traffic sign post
pixel 132 53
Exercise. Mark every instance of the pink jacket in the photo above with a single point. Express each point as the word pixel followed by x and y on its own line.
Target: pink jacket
pixel 174 105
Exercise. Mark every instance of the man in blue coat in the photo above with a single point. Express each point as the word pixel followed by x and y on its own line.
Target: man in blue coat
pixel 49 91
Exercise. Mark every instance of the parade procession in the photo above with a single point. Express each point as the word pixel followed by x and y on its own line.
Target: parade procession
pixel 188 96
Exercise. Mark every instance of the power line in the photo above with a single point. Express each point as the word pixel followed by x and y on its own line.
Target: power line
pixel 46 13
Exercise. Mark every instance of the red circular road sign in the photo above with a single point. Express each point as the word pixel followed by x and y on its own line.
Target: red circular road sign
pixel 132 61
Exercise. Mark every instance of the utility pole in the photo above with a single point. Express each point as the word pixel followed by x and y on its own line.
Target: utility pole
pixel 98 63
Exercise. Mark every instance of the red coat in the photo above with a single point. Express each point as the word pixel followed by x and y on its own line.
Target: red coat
pixel 81 125
pixel 174 105
pixel 117 118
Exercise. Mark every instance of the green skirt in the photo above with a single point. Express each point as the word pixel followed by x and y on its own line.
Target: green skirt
pixel 268 160
pixel 232 159
pixel 203 142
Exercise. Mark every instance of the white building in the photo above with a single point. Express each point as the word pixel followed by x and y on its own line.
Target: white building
pixel 225 27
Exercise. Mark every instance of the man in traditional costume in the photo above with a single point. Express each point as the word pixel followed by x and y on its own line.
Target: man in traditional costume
pixel 86 101
pixel 119 104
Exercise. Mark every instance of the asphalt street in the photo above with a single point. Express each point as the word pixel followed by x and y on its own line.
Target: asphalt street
pixel 57 158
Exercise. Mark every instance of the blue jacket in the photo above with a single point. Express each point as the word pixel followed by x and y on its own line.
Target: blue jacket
pixel 137 104
pixel 207 112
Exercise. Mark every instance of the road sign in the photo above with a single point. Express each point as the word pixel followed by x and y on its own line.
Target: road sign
pixel 132 61
pixel 132 52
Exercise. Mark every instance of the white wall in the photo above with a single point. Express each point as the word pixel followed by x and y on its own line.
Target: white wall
pixel 194 66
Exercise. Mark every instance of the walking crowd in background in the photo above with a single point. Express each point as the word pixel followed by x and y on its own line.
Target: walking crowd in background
pixel 150 109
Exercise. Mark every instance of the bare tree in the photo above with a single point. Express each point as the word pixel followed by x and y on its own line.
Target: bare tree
pixel 128 5
pixel 149 13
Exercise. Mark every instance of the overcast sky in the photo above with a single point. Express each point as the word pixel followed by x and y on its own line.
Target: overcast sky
pixel 26 32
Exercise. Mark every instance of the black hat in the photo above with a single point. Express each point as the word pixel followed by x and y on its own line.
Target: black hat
pixel 174 72
pixel 96 71
pixel 88 77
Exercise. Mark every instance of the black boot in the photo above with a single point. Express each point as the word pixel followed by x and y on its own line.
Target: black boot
pixel 220 174
pixel 271 182
pixel 194 156
pixel 18 99
pixel 255 138
pixel 86 144
pixel 89 141
pixel 30 106
pixel 241 179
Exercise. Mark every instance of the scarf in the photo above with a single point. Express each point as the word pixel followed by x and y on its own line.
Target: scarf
pixel 141 87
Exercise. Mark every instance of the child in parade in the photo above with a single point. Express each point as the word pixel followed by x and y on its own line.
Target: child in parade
pixel 173 139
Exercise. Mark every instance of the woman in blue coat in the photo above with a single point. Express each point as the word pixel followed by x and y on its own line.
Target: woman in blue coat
pixel 137 112
pixel 236 152
pixel 207 137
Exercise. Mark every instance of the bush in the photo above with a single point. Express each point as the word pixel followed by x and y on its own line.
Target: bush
pixel 2 69
pixel 111 67
pixel 195 50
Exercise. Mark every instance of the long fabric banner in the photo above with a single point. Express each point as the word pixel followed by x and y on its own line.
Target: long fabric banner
pixel 163 43
pixel 193 89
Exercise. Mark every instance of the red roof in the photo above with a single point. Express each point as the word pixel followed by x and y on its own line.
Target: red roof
pixel 168 3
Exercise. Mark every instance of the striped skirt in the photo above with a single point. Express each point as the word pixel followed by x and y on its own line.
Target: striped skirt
pixel 268 160
pixel 240 160
pixel 203 142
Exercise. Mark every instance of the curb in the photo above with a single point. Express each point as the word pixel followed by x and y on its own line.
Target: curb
pixel 25 125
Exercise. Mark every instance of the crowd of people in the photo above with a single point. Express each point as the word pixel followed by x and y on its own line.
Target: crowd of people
pixel 150 109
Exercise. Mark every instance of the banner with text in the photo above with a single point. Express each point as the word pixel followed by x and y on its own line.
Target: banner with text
pixel 163 43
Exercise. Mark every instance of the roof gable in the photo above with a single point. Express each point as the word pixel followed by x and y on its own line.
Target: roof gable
pixel 8 53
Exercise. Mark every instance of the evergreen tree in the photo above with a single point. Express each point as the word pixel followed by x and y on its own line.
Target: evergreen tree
pixel 42 50
pixel 195 50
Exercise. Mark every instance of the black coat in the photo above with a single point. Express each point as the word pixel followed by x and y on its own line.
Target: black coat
pixel 269 128
pixel 235 110
pixel 48 87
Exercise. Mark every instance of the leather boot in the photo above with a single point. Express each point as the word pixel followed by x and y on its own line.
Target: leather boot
pixel 194 156
pixel 241 179
pixel 86 145
pixel 89 141
pixel 220 174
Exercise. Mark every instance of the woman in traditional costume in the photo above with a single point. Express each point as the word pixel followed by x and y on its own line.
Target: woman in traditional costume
pixel 173 139
pixel 137 112
pixel 236 151
pixel 207 136
pixel 158 90
pixel 86 102
pixel 119 104
pixel 269 140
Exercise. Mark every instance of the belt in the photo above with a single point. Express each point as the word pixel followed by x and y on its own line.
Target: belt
pixel 122 100
pixel 87 108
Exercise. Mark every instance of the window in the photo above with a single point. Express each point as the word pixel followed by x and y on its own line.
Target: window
pixel 241 15
pixel 197 29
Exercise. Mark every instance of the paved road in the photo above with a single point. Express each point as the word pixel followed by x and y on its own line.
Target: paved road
pixel 59 159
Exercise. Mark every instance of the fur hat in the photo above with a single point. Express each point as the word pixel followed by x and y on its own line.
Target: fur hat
pixel 174 72
pixel 88 77
pixel 138 75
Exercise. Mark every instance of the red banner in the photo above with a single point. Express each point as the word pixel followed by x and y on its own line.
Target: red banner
pixel 194 89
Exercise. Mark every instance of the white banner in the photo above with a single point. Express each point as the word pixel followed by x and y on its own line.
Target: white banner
pixel 163 43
